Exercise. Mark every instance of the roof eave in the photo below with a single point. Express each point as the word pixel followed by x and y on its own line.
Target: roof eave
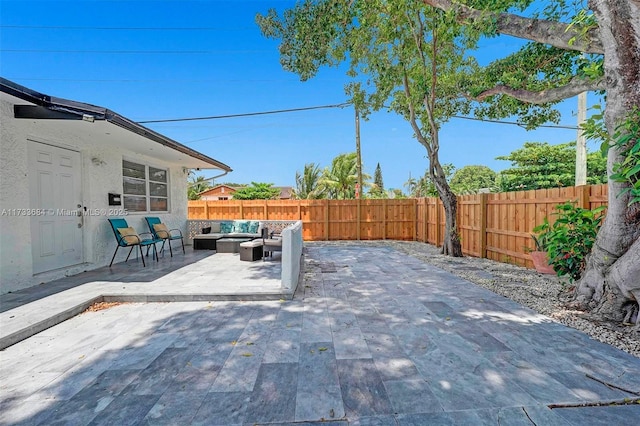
pixel 93 112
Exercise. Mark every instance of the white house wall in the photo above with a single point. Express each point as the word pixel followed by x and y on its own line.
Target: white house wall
pixel 15 233
pixel 101 174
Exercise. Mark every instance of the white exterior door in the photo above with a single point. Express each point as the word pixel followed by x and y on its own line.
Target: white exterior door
pixel 56 215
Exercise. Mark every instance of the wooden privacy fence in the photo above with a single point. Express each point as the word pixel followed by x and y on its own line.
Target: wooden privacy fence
pixel 322 219
pixel 496 226
pixel 499 226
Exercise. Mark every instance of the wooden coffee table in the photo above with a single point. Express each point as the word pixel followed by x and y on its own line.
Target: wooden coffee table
pixel 230 245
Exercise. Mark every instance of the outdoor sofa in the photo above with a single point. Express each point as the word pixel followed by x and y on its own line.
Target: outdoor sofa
pixel 209 235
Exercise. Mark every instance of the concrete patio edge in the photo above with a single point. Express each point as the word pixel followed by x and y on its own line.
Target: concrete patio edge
pixel 58 311
pixel 56 318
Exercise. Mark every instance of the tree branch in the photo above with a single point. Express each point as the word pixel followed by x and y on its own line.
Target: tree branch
pixel 556 34
pixel 576 86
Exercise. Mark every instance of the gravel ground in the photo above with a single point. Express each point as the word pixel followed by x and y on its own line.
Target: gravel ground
pixel 539 292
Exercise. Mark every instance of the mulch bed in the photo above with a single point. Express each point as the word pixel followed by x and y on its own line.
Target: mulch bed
pixel 101 306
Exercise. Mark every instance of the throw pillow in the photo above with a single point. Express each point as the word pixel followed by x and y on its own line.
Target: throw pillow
pixel 253 227
pixel 215 227
pixel 226 227
pixel 206 230
pixel 241 226
pixel 129 235
pixel 161 230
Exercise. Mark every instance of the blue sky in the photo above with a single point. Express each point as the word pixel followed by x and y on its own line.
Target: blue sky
pixel 208 58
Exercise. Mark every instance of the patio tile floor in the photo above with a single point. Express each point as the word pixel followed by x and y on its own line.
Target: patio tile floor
pixel 362 342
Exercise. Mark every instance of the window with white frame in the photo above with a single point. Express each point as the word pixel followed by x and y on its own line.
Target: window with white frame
pixel 145 188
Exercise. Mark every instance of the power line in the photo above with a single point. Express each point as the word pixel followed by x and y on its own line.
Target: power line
pixel 163 80
pixel 55 27
pixel 515 123
pixel 247 114
pixel 138 52
pixel 341 105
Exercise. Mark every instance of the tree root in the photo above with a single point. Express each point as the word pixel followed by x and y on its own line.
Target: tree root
pixel 632 313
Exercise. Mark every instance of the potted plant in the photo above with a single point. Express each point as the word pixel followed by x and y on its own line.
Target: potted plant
pixel 567 243
pixel 539 256
pixel 570 239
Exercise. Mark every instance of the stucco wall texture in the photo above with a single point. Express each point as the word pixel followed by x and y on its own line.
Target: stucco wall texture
pixel 101 173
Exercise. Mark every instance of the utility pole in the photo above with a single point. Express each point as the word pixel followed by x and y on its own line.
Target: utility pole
pixel 359 156
pixel 581 142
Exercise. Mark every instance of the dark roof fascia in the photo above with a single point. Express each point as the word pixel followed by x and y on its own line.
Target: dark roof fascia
pixel 139 129
pixel 99 113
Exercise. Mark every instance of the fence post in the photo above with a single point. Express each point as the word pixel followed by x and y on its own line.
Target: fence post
pixel 437 222
pixel 425 220
pixel 206 209
pixel 265 211
pixel 241 209
pixel 358 218
pixel 326 219
pixel 483 225
pixel 583 197
pixel 384 218
pixel 414 219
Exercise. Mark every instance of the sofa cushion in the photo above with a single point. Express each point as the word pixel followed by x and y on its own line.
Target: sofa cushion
pixel 252 243
pixel 226 227
pixel 253 227
pixel 208 236
pixel 215 227
pixel 241 235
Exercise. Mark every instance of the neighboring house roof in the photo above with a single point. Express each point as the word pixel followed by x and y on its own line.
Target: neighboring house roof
pixel 49 108
pixel 285 191
pixel 218 190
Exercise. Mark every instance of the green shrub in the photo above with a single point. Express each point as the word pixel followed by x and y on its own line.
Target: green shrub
pixel 570 239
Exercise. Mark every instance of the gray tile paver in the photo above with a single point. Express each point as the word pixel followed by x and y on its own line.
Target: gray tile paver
pixel 363 392
pixel 175 408
pixel 363 342
pixel 223 408
pixel 273 398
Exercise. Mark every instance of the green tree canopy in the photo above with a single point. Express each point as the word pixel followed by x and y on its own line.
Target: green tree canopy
pixel 540 165
pixel 257 191
pixel 403 57
pixel 470 179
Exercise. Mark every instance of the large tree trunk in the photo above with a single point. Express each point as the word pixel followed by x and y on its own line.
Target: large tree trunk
pixel 451 245
pixel 611 280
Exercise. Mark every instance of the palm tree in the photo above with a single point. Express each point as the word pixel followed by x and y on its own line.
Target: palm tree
pixel 196 186
pixel 308 184
pixel 340 181
pixel 411 184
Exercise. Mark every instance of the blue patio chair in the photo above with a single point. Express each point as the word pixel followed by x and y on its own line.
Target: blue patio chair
pixel 128 237
pixel 161 232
